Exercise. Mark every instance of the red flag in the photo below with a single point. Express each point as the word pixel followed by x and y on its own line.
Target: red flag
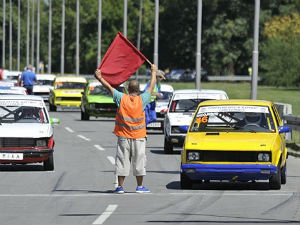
pixel 120 61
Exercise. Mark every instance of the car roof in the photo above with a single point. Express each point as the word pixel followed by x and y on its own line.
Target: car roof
pixel 201 91
pixel 237 102
pixel 7 83
pixel 22 97
pixel 13 90
pixel 199 94
pixel 45 76
pixel 71 79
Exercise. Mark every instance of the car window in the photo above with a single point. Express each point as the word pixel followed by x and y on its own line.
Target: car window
pixel 166 95
pixel 185 105
pixel 233 119
pixel 22 114
pixel 98 90
pixel 69 85
pixel 44 82
pixel 277 117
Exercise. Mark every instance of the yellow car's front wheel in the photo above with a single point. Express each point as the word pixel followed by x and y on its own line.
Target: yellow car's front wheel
pixel 275 180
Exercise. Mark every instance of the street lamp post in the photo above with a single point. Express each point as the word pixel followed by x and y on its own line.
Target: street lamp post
pixel 10 35
pixel 62 61
pixel 27 32
pixel 125 19
pixel 99 30
pixel 3 34
pixel 38 38
pixel 32 35
pixel 77 36
pixel 138 45
pixel 198 53
pixel 255 51
pixel 18 47
pixel 155 54
pixel 49 36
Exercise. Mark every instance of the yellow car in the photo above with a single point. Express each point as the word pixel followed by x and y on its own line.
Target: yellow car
pixel 67 91
pixel 235 140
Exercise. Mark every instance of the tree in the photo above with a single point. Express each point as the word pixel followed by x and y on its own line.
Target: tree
pixel 280 60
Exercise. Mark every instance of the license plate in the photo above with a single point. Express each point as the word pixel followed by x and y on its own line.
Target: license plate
pixel 155 124
pixel 11 156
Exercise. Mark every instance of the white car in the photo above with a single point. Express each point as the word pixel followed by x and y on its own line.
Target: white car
pixel 43 85
pixel 180 113
pixel 15 90
pixel 11 75
pixel 26 133
pixel 161 106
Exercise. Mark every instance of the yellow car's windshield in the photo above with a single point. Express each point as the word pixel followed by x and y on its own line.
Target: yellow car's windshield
pixel 69 85
pixel 233 118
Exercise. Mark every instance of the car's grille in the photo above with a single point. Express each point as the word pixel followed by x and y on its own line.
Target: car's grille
pixel 69 99
pixel 17 142
pixel 109 107
pixel 229 156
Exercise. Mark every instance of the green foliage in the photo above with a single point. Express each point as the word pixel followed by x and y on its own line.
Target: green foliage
pixel 227 35
pixel 280 62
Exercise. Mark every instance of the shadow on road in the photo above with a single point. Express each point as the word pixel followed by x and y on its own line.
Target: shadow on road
pixel 21 168
pixel 223 185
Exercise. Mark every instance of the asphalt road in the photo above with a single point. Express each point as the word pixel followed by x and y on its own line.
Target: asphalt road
pixel 79 191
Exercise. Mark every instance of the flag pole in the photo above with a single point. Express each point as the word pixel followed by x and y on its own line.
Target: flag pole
pixel 158 71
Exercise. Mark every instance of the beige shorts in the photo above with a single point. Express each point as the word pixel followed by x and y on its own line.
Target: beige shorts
pixel 131 151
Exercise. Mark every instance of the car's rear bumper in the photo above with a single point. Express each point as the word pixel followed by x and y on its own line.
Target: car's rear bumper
pixel 67 103
pixel 29 155
pixel 238 172
pixel 158 124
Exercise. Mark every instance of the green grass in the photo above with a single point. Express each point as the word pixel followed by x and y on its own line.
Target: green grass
pixel 242 90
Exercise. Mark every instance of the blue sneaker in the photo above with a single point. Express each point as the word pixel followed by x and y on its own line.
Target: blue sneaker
pixel 142 190
pixel 119 190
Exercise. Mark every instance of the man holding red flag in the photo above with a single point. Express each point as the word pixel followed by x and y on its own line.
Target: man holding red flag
pixel 130 128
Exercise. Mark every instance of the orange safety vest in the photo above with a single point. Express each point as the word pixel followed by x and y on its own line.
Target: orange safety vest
pixel 130 118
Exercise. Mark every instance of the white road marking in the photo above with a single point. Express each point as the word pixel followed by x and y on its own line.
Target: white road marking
pixel 109 194
pixel 104 216
pixel 83 137
pixel 99 147
pixel 69 129
pixel 111 159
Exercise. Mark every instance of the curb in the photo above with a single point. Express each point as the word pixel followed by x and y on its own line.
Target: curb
pixel 293 153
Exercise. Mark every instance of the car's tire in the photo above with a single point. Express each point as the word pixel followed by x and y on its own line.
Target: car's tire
pixel 52 108
pixel 49 163
pixel 185 182
pixel 85 116
pixel 275 180
pixel 168 146
pixel 283 174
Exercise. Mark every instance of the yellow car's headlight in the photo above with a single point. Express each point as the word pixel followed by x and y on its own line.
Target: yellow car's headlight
pixel 193 156
pixel 263 157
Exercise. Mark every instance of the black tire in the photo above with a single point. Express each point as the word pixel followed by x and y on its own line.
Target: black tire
pixel 275 180
pixel 168 146
pixel 185 182
pixel 283 174
pixel 49 163
pixel 52 108
pixel 85 116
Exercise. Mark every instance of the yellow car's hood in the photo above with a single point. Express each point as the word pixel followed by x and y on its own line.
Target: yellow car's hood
pixel 68 92
pixel 230 141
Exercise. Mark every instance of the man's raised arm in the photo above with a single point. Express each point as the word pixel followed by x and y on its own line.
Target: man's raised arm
pixel 103 81
pixel 153 78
